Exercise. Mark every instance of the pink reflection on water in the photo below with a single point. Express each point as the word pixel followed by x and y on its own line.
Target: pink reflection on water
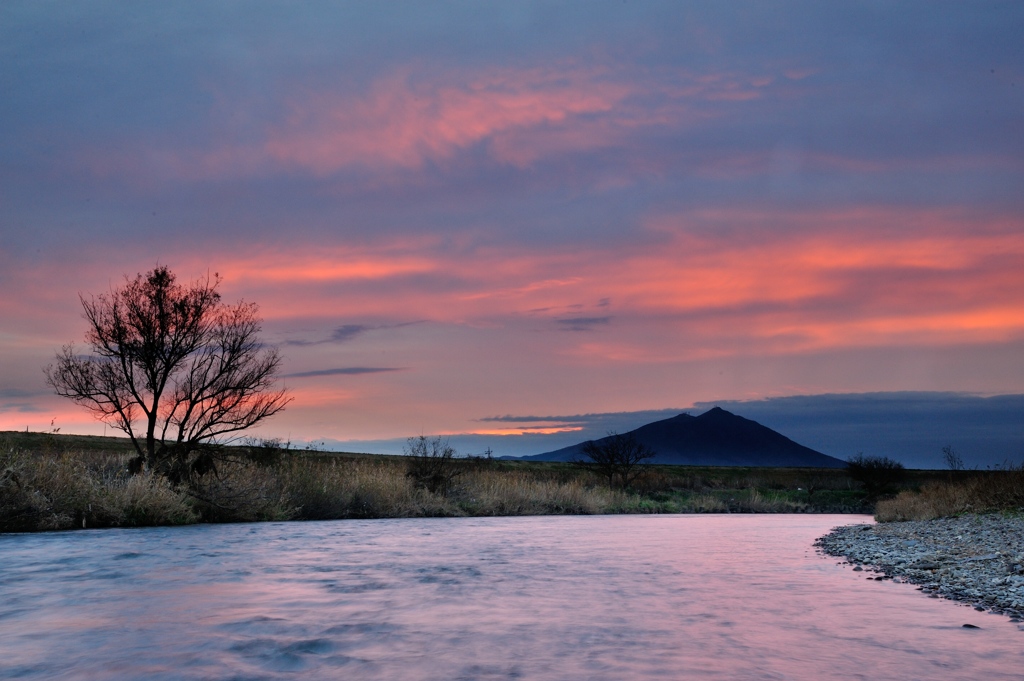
pixel 609 597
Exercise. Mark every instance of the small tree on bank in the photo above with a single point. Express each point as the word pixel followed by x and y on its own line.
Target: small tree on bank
pixel 432 464
pixel 880 475
pixel 616 457
pixel 173 368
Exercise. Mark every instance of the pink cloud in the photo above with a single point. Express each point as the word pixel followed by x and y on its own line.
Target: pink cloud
pixel 835 278
pixel 411 116
pixel 404 121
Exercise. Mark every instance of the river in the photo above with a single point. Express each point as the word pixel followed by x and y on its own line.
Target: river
pixel 563 597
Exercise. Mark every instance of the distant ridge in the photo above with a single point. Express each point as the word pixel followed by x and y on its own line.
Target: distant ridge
pixel 715 438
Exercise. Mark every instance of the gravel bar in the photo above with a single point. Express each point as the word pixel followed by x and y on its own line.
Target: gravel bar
pixel 975 559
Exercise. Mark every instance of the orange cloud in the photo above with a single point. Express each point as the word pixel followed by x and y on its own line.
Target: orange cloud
pixel 694 286
pixel 345 266
pixel 789 292
pixel 528 430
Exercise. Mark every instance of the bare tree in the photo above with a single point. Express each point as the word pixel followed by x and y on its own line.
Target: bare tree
pixel 617 456
pixel 173 367
pixel 953 460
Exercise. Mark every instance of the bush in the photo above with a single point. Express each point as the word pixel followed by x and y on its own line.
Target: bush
pixel 266 453
pixel 880 475
pixel 432 464
pixel 239 491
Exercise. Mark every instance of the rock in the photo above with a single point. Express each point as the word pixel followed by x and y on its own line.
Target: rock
pixel 976 559
pixel 971 626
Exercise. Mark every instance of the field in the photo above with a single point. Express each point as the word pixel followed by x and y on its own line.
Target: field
pixel 50 482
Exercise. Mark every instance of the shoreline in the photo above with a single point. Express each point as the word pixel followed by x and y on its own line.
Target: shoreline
pixel 973 559
pixel 75 527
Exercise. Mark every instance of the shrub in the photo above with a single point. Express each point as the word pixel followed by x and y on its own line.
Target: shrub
pixel 880 475
pixel 239 491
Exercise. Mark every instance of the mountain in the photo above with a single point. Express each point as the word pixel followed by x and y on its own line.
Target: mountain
pixel 715 438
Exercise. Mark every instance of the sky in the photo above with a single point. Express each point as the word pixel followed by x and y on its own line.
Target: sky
pixel 478 220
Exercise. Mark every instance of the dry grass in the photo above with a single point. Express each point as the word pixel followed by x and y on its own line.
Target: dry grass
pixel 519 493
pixel 984 491
pixel 357 488
pixel 47 491
pixel 707 503
pixel 55 492
pixel 756 502
pixel 45 487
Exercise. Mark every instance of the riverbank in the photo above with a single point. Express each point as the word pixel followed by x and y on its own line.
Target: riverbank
pixel 55 482
pixel 975 559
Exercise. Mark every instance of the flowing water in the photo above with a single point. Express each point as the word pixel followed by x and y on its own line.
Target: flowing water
pixel 606 597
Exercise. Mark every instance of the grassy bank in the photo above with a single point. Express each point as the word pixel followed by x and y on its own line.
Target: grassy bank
pixel 990 491
pixel 50 482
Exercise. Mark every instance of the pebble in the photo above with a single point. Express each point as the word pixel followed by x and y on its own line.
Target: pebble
pixel 977 559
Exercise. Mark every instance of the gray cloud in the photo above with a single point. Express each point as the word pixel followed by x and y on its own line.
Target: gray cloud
pixel 582 323
pixel 21 407
pixel 343 371
pixel 339 335
pixel 16 393
pixel 347 332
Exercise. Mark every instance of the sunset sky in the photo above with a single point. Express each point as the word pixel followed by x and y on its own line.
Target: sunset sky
pixel 480 219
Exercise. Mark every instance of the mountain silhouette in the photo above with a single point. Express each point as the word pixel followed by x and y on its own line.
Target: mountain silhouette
pixel 715 438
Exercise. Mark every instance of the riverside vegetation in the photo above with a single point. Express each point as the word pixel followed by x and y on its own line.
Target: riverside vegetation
pixel 961 492
pixel 50 481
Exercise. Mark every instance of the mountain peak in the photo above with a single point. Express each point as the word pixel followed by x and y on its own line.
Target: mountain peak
pixel 715 411
pixel 715 438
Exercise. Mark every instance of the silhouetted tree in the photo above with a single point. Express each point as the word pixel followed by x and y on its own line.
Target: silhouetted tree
pixel 880 475
pixel 173 367
pixel 616 457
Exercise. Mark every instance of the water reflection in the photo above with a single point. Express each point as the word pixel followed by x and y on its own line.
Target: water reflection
pixel 608 597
